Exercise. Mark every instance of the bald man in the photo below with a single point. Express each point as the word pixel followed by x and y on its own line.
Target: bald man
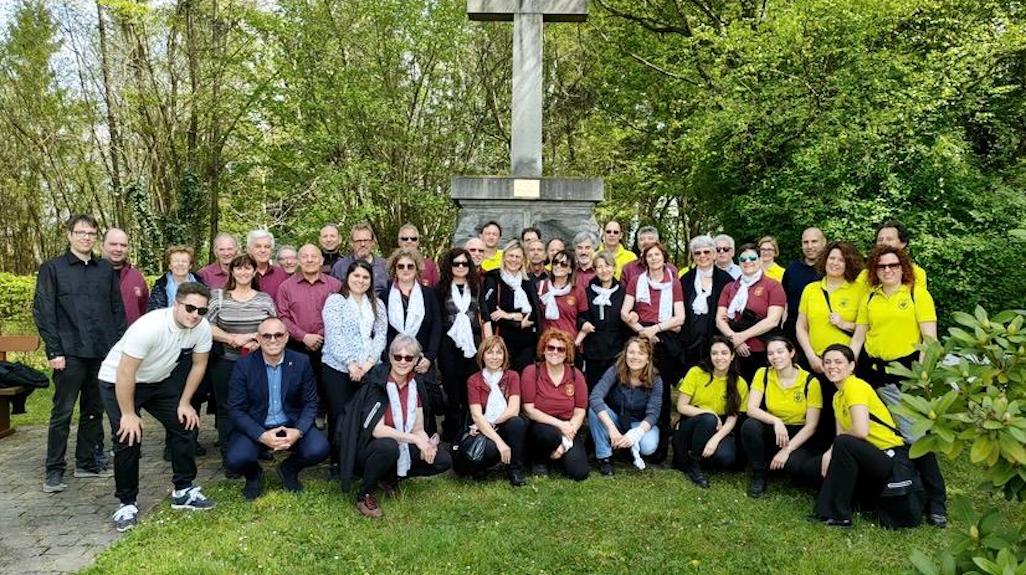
pixel 134 292
pixel 800 274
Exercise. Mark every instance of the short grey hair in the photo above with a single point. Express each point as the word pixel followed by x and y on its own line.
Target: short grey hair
pixel 284 248
pixel 225 236
pixel 703 241
pixel 606 256
pixel 403 342
pixel 649 230
pixel 585 236
pixel 255 235
pixel 725 238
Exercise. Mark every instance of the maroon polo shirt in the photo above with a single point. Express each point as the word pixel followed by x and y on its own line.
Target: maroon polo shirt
pixel 572 304
pixel 272 279
pixel 134 292
pixel 648 313
pixel 635 268
pixel 213 276
pixel 583 277
pixel 430 277
pixel 478 390
pixel 301 302
pixel 761 295
pixel 404 402
pixel 559 401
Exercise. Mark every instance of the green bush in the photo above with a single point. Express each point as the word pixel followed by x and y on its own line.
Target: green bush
pixel 16 294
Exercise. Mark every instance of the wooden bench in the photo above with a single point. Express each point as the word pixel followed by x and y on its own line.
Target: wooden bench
pixel 9 343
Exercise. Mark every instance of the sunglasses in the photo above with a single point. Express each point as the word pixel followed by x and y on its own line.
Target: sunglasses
pixel 193 309
pixel 744 259
pixel 475 250
pixel 273 336
pixel 724 250
pixel 405 266
pixel 561 263
pixel 613 232
pixel 555 348
pixel 461 264
pixel 404 358
pixel 702 252
pixel 408 238
pixel 895 266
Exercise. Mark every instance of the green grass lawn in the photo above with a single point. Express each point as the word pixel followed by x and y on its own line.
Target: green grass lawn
pixel 637 522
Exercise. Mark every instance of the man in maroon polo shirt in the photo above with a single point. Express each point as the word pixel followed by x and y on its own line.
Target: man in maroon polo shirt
pixel 409 237
pixel 215 275
pixel 584 251
pixel 134 292
pixel 260 247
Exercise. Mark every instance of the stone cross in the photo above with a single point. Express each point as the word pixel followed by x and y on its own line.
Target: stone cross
pixel 528 18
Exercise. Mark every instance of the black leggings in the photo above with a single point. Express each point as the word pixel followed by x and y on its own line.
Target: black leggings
pixel 338 390
pixel 220 375
pixel 378 460
pixel 455 371
pixel 689 440
pixel 543 439
pixel 857 473
pixel 514 432
pixel 873 370
pixel 760 446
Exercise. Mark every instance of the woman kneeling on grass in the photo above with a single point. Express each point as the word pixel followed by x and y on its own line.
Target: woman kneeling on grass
pixel 494 398
pixel 712 397
pixel 783 411
pixel 625 407
pixel 555 397
pixel 382 434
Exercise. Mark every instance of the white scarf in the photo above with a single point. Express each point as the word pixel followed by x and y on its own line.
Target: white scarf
pixel 410 324
pixel 602 298
pixel 496 401
pixel 701 304
pixel 365 316
pixel 644 293
pixel 549 299
pixel 515 283
pixel 740 300
pixel 461 332
pixel 403 421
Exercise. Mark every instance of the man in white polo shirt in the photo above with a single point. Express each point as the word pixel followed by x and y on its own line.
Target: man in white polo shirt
pixel 136 375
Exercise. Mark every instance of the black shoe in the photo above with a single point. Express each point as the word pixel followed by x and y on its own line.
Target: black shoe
pixel 540 469
pixel 937 520
pixel 289 478
pixel 231 474
pixel 254 487
pixel 694 473
pixel 840 523
pixel 606 466
pixel 516 477
pixel 757 487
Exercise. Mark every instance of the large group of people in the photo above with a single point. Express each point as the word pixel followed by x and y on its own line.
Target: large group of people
pixel 534 355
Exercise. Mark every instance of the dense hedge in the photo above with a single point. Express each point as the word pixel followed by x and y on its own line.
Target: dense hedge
pixel 16 296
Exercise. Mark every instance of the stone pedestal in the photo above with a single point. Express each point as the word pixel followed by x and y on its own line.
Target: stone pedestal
pixel 559 207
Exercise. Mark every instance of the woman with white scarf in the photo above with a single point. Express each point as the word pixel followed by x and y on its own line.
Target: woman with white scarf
pixel 458 293
pixel 383 432
pixel 355 327
pixel 750 311
pixel 702 286
pixel 510 306
pixel 602 332
pixel 563 301
pixel 494 396
pixel 654 308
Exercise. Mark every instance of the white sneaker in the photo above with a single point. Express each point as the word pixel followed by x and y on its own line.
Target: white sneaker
pixel 190 498
pixel 126 517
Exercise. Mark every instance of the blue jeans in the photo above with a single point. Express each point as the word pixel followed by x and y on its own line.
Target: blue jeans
pixel 600 435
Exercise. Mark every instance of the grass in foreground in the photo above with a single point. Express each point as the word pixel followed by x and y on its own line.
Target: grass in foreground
pixel 652 522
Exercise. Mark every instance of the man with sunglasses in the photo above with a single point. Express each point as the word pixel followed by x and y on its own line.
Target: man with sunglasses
pixel 272 402
pixel 612 234
pixel 136 375
pixel 409 237
pixel 725 255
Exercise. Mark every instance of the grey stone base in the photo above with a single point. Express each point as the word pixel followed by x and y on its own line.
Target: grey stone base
pixel 564 206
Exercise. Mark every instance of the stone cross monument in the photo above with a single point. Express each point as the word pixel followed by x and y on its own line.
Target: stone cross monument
pixel 559 206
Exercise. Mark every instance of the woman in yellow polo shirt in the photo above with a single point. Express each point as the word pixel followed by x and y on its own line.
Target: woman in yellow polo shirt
pixel 712 397
pixel 783 411
pixel 858 464
pixel 893 318
pixel 768 252
pixel 829 307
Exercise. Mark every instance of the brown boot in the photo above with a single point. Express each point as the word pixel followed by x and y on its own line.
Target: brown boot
pixel 368 506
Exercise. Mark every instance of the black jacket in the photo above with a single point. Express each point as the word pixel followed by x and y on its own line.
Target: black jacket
pixel 696 331
pixel 158 295
pixel 356 429
pixel 430 333
pixel 77 307
pixel 610 331
pixel 497 295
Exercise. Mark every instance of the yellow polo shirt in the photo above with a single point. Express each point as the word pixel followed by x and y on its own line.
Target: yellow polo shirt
pixel 492 263
pixel 623 257
pixel 789 404
pixel 894 321
pixel 845 303
pixel 776 272
pixel 855 391
pixel 710 392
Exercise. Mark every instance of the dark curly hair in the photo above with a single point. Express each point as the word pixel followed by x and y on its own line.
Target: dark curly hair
pixel 853 262
pixel 907 273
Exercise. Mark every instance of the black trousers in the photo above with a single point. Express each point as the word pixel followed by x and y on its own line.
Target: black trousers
pixel 594 369
pixel 76 382
pixel 671 370
pixel 857 473
pixel 318 370
pixel 689 440
pixel 747 366
pixel 543 439
pixel 161 401
pixel 455 370
pixel 760 446
pixel 338 390
pixel 378 461
pixel 220 376
pixel 514 432
pixel 874 370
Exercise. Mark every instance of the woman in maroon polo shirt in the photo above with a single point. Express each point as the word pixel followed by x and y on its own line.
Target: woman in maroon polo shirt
pixel 750 311
pixel 494 398
pixel 562 300
pixel 654 308
pixel 555 398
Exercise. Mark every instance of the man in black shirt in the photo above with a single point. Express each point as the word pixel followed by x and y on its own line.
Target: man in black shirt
pixel 79 316
pixel 800 274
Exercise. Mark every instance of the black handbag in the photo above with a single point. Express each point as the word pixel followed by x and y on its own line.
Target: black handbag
pixel 903 497
pixel 471 448
pixel 746 319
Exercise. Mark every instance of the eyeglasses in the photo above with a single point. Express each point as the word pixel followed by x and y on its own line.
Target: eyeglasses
pixel 273 336
pixel 702 252
pixel 402 267
pixel 744 259
pixel 614 232
pixel 193 309
pixel 461 264
pixel 895 265
pixel 561 263
pixel 362 240
pixel 768 250
pixel 555 348
pixel 408 238
pixel 403 358
pixel 83 234
pixel 475 250
pixel 724 250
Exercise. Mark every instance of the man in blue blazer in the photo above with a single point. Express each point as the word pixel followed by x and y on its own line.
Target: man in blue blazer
pixel 272 401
